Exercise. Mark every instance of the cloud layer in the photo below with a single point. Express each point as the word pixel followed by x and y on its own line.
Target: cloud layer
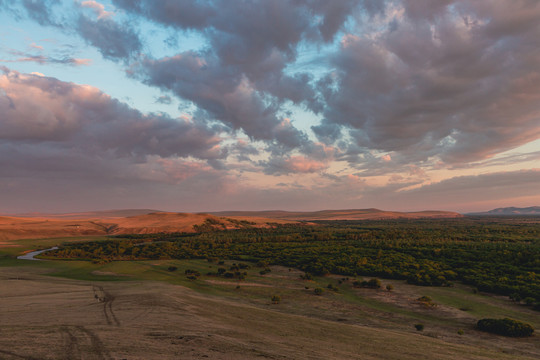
pixel 370 98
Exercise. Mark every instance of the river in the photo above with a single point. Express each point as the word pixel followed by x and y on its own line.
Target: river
pixel 30 255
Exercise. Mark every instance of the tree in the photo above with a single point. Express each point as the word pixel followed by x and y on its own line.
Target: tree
pixel 505 327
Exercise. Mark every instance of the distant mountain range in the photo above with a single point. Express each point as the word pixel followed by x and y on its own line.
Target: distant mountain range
pixel 531 210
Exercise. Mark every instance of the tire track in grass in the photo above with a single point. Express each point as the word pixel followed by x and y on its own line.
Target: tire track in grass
pixel 80 342
pixel 17 356
pixel 107 299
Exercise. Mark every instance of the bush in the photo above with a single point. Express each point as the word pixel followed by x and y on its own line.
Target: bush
pixel 276 299
pixel 306 276
pixel 505 327
pixel 172 268
pixel 374 284
pixel 389 287
pixel 460 332
pixel 419 327
pixel 318 291
pixel 426 301
pixel 192 272
pixel 529 301
pixel 332 287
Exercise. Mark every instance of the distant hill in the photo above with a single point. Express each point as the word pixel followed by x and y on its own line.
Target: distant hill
pixel 13 228
pixel 532 210
pixel 145 221
pixel 91 214
pixel 351 214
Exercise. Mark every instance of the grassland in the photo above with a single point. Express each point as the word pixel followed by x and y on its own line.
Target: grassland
pixel 141 310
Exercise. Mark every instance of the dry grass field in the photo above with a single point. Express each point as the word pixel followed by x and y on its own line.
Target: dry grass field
pixel 139 310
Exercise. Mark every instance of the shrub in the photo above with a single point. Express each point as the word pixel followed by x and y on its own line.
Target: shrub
pixel 332 287
pixel 529 300
pixel 425 300
pixel 192 272
pixel 389 287
pixel 306 276
pixel 318 291
pixel 172 268
pixel 460 332
pixel 262 263
pixel 276 299
pixel 505 327
pixel 372 283
pixel 419 327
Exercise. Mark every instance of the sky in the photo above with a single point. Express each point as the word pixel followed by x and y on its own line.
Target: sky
pixel 196 106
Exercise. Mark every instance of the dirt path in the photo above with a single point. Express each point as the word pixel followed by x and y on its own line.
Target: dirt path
pixel 79 342
pixel 107 299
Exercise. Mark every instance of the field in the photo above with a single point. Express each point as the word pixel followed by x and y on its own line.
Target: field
pixel 152 309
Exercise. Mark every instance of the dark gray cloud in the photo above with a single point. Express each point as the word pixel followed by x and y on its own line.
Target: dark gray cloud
pixel 43 11
pixel 221 92
pixel 241 78
pixel 458 82
pixel 114 41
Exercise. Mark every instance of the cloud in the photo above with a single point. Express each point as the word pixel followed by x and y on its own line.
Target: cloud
pixel 464 193
pixel 241 78
pixel 98 8
pixel 114 41
pixel 42 11
pixel 164 99
pixel 44 60
pixel 220 91
pixel 45 110
pixel 293 164
pixel 458 83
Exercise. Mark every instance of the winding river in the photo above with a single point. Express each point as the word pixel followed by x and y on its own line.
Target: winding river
pixel 30 255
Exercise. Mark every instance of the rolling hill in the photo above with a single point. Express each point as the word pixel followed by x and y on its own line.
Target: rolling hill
pixel 351 214
pixel 532 210
pixel 12 228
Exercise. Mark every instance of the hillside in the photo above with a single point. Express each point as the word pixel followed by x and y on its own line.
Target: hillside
pixel 12 228
pixel 351 214
pixel 532 210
